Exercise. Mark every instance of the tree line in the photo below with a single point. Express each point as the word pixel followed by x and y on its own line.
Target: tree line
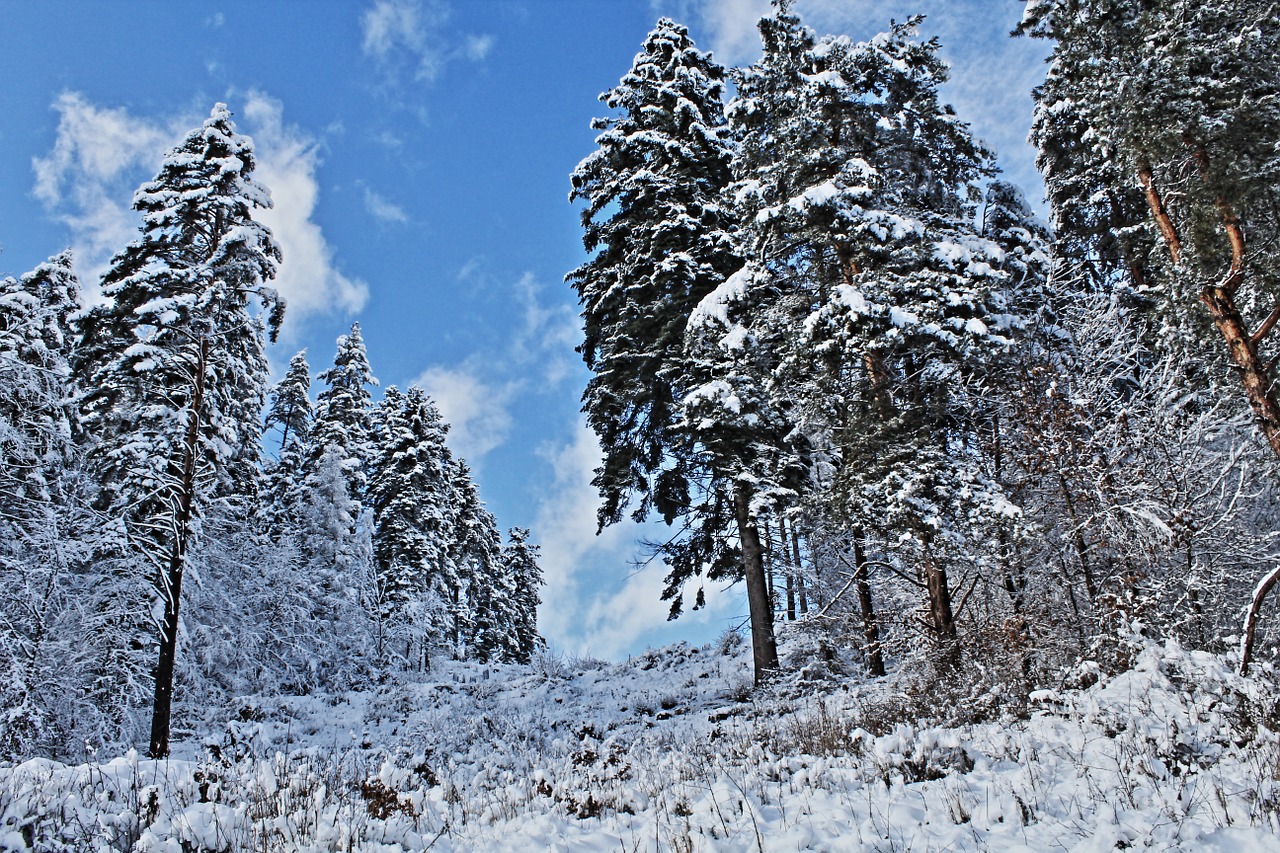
pixel 155 561
pixel 850 367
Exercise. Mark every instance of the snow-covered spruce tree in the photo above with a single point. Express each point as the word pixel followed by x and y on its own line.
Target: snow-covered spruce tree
pixel 1180 100
pixel 335 532
pixel 412 503
pixel 343 420
pixel 41 516
pixel 486 593
pixel 37 419
pixel 655 221
pixel 520 567
pixel 868 279
pixel 175 366
pixel 290 412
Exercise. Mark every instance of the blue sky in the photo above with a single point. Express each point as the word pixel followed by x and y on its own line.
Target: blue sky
pixel 419 154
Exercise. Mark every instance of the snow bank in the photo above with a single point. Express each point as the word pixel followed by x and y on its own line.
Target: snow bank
pixel 673 751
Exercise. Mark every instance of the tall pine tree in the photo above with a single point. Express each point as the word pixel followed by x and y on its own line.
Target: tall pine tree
pixel 176 366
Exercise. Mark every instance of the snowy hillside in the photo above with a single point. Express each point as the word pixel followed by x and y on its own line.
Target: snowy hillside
pixel 672 751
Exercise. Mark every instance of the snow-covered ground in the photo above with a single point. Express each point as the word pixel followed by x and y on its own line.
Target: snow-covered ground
pixel 671 750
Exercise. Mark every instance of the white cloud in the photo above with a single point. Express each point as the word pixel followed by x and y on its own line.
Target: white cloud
pixel 478 47
pixel 382 209
pixel 727 28
pixel 476 396
pixel 549 332
pixel 478 412
pixel 101 155
pixel 287 162
pixel 566 531
pixel 400 34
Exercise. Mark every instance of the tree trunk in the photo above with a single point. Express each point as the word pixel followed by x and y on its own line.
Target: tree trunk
pixel 764 647
pixel 870 628
pixel 791 569
pixel 1251 621
pixel 941 615
pixel 169 580
pixel 800 585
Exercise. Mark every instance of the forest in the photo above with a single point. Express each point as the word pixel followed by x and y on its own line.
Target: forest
pixel 851 367
pixel 984 478
pixel 133 440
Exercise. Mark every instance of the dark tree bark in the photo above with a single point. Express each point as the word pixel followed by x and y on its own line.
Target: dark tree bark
pixel 942 617
pixel 800 585
pixel 169 580
pixel 870 627
pixel 764 647
pixel 1256 375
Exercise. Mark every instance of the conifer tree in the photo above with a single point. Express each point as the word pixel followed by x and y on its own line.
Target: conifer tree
pixel 868 295
pixel 520 565
pixel 175 364
pixel 411 500
pixel 41 521
pixel 660 176
pixel 343 416
pixel 37 420
pixel 291 413
pixel 481 605
pixel 656 222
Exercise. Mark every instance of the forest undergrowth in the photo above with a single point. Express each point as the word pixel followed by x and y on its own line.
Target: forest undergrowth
pixel 673 750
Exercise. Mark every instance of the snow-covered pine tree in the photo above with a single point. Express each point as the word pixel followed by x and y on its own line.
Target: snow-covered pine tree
pixel 483 603
pixel 40 517
pixel 1179 100
pixel 291 413
pixel 656 222
pixel 411 497
pixel 868 280
pixel 657 216
pixel 37 419
pixel 176 367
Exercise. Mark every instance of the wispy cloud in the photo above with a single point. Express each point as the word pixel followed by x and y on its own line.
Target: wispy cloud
pixel 477 409
pixel 102 154
pixel 477 394
pixel 549 334
pixel 87 180
pixel 382 209
pixel 725 27
pixel 406 36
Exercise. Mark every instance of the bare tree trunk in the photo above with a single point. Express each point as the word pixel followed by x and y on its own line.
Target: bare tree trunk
pixel 764 647
pixel 870 627
pixel 169 580
pixel 941 615
pixel 1251 621
pixel 766 557
pixel 791 569
pixel 795 556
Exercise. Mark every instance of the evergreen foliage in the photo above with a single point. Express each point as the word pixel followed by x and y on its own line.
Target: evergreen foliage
pixel 656 219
